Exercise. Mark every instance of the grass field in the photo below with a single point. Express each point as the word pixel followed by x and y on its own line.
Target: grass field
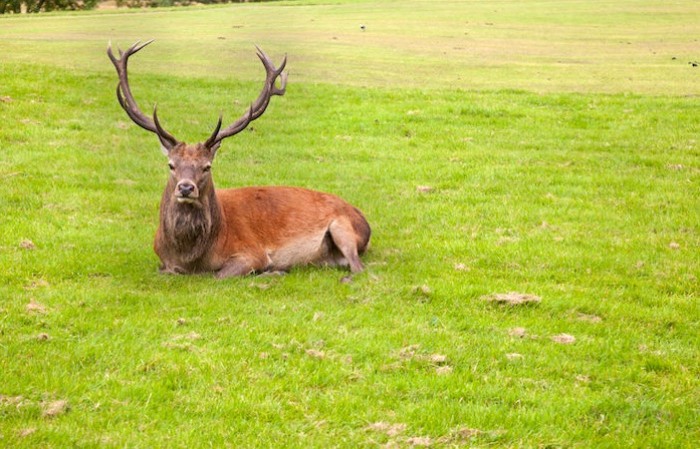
pixel 547 148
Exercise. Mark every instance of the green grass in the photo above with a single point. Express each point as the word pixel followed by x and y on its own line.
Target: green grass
pixel 562 161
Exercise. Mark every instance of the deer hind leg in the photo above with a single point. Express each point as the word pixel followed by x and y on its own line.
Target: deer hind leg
pixel 345 240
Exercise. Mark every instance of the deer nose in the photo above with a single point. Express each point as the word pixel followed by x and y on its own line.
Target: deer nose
pixel 185 188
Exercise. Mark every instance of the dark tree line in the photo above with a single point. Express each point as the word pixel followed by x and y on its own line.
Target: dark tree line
pixel 156 3
pixel 34 6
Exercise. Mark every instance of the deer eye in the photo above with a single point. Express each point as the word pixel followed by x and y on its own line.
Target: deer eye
pixel 171 165
pixel 206 168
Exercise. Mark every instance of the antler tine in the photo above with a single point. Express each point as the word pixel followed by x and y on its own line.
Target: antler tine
pixel 126 98
pixel 212 139
pixel 257 108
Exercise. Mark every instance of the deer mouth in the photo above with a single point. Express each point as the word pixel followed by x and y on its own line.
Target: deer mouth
pixel 187 199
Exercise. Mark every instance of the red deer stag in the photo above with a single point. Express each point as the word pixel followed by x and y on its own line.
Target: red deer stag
pixel 235 232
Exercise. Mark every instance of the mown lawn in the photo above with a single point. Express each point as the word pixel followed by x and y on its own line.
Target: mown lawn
pixel 540 148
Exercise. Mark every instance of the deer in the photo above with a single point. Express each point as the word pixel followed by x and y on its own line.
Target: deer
pixel 247 230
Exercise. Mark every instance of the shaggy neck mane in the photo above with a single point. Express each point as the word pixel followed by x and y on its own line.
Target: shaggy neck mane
pixel 190 229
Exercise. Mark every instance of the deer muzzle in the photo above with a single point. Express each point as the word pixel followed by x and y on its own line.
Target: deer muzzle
pixel 186 192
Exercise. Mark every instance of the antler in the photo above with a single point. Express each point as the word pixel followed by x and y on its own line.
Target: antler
pixel 258 106
pixel 126 99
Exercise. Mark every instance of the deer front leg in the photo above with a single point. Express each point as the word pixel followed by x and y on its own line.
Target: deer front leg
pixel 235 267
pixel 174 269
pixel 242 266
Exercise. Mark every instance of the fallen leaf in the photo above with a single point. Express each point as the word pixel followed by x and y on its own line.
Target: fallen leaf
pixel 674 245
pixel 424 189
pixel 514 356
pixel 27 244
pixel 43 337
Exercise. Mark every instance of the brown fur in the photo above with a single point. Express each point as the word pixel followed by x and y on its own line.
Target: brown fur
pixel 258 229
pixel 236 232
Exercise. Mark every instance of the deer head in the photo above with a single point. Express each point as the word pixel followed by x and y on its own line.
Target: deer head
pixel 190 165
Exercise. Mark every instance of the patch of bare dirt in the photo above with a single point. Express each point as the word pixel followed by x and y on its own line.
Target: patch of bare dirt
pixel 460 436
pixel 582 378
pixel 420 441
pixel 413 352
pixel 26 432
pixel 315 354
pixel 183 341
pixel 422 290
pixel 27 244
pixel 564 339
pixel 512 298
pixel 437 359
pixel 35 308
pixel 518 332
pixel 461 267
pixel 389 429
pixel 54 408
pixel 43 337
pixel 11 400
pixel 443 370
pixel 38 283
pixel 589 318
